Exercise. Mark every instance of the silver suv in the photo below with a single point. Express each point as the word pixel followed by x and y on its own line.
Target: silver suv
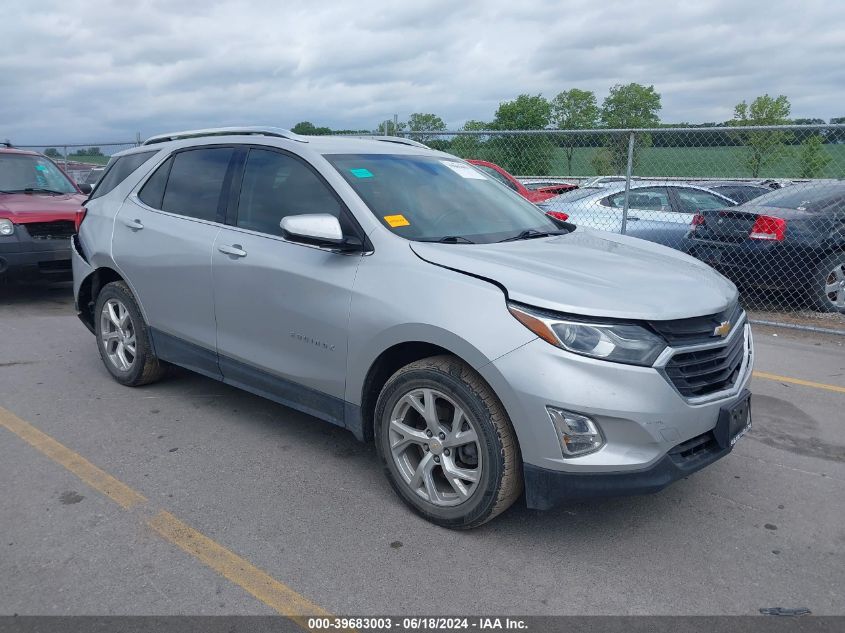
pixel 400 293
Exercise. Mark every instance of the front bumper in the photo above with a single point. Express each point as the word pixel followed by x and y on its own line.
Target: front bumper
pixel 645 420
pixel 545 488
pixel 22 257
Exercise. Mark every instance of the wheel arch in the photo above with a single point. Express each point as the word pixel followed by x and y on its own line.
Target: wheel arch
pixel 396 351
pixel 90 288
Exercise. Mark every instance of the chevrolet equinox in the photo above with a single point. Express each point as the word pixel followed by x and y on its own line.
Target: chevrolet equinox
pixel 403 294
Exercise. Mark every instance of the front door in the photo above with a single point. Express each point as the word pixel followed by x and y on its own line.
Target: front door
pixel 282 308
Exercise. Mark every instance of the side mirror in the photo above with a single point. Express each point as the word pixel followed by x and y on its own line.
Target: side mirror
pixel 320 229
pixel 85 188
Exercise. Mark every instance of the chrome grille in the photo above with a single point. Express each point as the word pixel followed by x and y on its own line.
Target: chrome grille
pixel 701 372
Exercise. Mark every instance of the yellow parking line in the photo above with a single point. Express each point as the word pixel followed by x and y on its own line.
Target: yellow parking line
pixel 798 381
pixel 234 568
pixel 237 570
pixel 98 479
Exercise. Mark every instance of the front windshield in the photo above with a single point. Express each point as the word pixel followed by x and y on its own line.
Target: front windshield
pixel 428 198
pixel 22 172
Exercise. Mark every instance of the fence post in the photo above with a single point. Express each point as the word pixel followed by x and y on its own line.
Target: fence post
pixel 628 170
pixel 65 155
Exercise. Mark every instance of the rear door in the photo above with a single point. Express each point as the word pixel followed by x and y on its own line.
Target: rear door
pixel 650 215
pixel 282 308
pixel 163 240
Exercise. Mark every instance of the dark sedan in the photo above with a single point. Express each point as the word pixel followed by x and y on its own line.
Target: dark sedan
pixel 790 239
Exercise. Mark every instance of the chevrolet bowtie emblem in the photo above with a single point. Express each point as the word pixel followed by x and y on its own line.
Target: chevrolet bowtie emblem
pixel 723 329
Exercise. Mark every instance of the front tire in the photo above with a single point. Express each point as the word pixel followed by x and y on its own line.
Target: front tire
pixel 123 338
pixel 446 443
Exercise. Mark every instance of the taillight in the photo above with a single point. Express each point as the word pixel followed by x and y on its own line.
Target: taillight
pixel 558 215
pixel 767 227
pixel 77 219
pixel 697 220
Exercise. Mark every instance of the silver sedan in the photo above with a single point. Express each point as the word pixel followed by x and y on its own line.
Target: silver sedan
pixel 658 212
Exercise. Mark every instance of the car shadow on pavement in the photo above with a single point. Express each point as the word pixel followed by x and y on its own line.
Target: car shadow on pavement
pixel 357 463
pixel 37 298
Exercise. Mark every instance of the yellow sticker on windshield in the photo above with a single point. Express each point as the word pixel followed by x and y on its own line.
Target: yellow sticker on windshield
pixel 395 221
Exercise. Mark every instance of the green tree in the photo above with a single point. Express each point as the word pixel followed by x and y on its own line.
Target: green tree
pixel 631 106
pixel 470 145
pixel 574 109
pixel 763 145
pixel 814 157
pixel 529 154
pixel 526 112
pixel 387 128
pixel 309 129
pixel 88 151
pixel 52 152
pixel 626 107
pixel 419 123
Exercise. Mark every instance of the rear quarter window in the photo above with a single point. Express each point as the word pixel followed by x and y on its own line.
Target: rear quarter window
pixel 119 170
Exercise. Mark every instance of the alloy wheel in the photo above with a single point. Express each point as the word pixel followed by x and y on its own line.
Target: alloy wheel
pixel 435 445
pixel 117 334
pixel 834 287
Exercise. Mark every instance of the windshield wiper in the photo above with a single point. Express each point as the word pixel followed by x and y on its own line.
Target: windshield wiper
pixel 34 190
pixel 530 234
pixel 450 239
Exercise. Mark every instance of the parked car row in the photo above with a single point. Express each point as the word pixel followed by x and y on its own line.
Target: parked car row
pixel 788 239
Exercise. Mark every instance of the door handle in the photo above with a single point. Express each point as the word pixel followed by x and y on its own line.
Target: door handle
pixel 632 219
pixel 234 250
pixel 135 225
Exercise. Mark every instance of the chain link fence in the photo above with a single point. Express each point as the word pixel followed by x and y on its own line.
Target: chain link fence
pixel 84 162
pixel 763 205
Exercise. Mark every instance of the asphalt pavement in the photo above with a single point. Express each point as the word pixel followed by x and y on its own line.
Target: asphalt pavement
pixel 242 506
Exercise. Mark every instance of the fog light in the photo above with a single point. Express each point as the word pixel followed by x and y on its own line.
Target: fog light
pixel 577 433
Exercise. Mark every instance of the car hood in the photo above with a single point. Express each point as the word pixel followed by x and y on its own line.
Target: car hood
pixel 25 208
pixel 592 273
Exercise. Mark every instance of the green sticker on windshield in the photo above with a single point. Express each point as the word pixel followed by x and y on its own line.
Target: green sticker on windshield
pixel 41 167
pixel 361 173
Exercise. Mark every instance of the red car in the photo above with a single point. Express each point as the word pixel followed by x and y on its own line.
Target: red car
pixel 539 194
pixel 40 208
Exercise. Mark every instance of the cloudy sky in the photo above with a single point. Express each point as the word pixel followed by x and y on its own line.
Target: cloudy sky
pixel 100 71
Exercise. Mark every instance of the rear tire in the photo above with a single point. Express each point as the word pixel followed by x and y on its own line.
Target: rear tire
pixel 446 443
pixel 828 292
pixel 123 338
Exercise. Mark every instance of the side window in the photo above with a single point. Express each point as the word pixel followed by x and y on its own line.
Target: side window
pixel 276 185
pixel 119 170
pixel 153 190
pixel 650 199
pixel 196 182
pixel 495 174
pixel 691 200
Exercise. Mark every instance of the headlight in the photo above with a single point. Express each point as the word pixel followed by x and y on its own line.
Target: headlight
pixel 617 342
pixel 6 227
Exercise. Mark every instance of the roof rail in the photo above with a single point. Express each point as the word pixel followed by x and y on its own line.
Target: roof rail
pixel 401 140
pixel 256 130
